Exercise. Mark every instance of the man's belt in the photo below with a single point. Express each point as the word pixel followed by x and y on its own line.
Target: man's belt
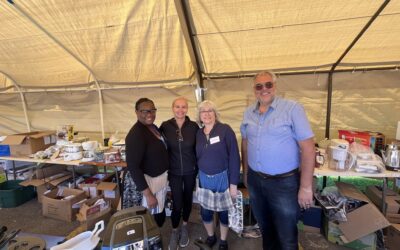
pixel 277 176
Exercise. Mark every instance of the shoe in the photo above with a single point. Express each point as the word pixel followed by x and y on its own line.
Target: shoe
pixel 211 240
pixel 223 245
pixel 184 236
pixel 173 241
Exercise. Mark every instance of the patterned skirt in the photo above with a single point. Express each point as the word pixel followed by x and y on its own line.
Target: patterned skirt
pixel 131 196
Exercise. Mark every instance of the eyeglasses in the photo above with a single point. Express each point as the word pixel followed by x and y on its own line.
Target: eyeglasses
pixel 206 111
pixel 260 86
pixel 179 135
pixel 148 111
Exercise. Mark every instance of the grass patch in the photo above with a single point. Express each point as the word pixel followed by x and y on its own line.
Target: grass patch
pixel 360 182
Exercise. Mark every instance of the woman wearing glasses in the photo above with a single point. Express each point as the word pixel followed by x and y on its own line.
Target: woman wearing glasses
pixel 219 165
pixel 146 181
pixel 180 133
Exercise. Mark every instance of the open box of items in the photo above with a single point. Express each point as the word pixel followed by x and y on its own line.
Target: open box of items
pixel 350 218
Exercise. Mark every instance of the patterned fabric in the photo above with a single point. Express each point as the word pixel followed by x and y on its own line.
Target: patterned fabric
pixel 214 194
pixel 131 196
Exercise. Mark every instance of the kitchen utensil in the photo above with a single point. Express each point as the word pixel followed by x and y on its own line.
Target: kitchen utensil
pixel 340 159
pixel 83 241
pixel 391 157
pixel 72 147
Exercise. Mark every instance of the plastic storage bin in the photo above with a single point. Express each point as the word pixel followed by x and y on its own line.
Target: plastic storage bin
pixel 13 195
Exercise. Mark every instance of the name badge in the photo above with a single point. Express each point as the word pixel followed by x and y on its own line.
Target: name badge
pixel 214 140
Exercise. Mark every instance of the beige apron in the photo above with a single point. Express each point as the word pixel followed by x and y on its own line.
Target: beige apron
pixel 158 186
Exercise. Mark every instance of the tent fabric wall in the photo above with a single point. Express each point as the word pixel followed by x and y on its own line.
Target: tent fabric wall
pixel 120 41
pixel 12 118
pixel 245 36
pixel 119 105
pixel 48 110
pixel 64 52
pixel 361 100
pixel 309 90
pixel 366 101
pixel 47 43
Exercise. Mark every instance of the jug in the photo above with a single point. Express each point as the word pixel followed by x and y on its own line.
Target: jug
pixel 391 157
pixel 340 159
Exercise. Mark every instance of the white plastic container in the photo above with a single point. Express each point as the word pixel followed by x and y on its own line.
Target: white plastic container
pixel 83 241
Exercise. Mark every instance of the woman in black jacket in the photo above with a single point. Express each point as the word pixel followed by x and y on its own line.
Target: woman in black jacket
pixel 146 181
pixel 180 133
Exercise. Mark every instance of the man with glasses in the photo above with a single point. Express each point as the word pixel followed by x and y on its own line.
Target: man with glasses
pixel 278 161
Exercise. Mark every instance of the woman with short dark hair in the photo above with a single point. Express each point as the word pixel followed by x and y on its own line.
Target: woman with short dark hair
pixel 146 178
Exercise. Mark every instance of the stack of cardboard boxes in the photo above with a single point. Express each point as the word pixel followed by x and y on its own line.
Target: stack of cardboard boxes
pixel 392 204
pixel 28 143
pixel 60 202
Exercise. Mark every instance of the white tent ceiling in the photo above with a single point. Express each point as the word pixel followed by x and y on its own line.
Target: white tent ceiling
pixel 110 44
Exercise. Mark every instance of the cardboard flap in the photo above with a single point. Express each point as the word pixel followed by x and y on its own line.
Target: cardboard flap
pixel 39 182
pixel 14 139
pixel 350 191
pixel 106 186
pixel 363 221
pixel 42 133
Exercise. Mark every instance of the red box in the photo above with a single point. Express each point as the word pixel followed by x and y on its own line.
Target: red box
pixel 374 140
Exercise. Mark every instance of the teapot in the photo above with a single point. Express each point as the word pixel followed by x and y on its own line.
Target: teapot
pixel 391 157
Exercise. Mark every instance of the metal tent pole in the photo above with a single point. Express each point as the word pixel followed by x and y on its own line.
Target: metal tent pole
pixel 330 76
pixel 182 10
pixel 21 94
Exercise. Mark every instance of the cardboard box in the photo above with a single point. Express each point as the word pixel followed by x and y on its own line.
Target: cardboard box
pixel 334 235
pixel 110 192
pixel 61 209
pixel 362 221
pixel 392 199
pixel 374 140
pixel 393 218
pixel 392 202
pixel 89 214
pixel 29 143
pixel 393 237
pixel 90 188
pixel 48 178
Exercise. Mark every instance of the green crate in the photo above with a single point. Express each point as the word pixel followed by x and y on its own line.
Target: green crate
pixel 13 195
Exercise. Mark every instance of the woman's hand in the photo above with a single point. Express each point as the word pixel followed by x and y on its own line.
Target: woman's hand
pixel 150 199
pixel 233 191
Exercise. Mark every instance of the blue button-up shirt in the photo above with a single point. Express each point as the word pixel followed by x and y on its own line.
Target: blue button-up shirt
pixel 272 137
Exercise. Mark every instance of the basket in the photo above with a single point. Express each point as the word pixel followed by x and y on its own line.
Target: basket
pixel 13 195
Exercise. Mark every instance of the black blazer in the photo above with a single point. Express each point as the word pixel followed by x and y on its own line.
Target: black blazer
pixel 145 154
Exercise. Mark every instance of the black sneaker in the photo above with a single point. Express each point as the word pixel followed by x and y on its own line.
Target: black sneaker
pixel 223 245
pixel 211 240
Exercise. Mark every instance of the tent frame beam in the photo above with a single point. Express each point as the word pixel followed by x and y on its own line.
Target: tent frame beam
pixel 330 75
pixel 182 10
pixel 22 96
pixel 355 69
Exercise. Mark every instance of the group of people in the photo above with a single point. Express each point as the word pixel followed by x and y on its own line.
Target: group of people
pixel 277 157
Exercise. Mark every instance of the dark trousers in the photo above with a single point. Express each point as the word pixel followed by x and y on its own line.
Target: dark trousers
pixel 182 197
pixel 160 218
pixel 276 209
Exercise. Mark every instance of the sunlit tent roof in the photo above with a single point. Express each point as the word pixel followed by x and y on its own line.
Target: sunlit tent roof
pixel 163 49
